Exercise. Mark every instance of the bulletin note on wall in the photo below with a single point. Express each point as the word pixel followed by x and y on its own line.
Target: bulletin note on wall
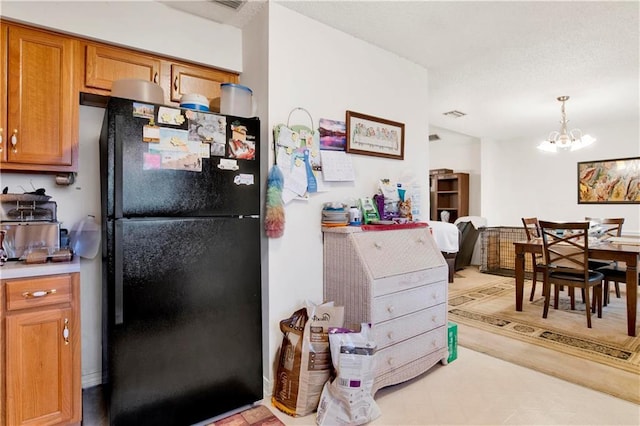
pixel 337 166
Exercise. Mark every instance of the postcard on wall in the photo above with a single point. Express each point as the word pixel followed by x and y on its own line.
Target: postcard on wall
pixel 333 135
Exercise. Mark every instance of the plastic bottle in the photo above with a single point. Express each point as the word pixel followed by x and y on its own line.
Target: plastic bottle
pixel 84 237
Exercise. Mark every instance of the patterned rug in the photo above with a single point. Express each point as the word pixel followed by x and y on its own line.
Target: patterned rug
pixel 603 357
pixel 255 416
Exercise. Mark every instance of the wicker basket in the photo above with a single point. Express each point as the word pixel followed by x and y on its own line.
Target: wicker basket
pixel 498 254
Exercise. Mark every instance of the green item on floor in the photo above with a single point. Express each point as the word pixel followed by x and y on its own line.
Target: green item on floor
pixel 452 338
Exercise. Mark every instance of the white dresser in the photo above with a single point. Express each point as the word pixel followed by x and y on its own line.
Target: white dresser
pixel 396 280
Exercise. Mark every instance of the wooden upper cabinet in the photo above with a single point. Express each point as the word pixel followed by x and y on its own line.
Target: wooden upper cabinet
pixel 104 65
pixel 195 79
pixel 41 132
pixel 3 98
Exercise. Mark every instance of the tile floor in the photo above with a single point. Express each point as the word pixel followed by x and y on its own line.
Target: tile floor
pixel 477 389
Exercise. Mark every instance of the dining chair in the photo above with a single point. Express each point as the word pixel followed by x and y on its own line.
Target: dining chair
pixel 566 253
pixel 611 227
pixel 532 230
pixel 616 273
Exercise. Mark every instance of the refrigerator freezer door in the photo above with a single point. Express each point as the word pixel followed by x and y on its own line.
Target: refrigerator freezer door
pixel 134 190
pixel 186 345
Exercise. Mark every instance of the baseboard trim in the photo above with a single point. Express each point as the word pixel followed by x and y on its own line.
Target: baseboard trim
pixel 92 379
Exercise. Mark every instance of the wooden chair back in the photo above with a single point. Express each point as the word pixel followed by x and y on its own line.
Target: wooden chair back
pixel 531 227
pixel 566 246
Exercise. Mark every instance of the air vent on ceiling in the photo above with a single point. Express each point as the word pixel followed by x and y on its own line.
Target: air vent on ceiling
pixel 454 114
pixel 434 137
pixel 233 4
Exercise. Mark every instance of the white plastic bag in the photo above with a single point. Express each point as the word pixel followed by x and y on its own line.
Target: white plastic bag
pixel 348 399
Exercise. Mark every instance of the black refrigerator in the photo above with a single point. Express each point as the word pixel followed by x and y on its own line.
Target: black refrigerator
pixel 182 331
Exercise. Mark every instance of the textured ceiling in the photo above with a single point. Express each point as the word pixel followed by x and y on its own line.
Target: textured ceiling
pixel 502 63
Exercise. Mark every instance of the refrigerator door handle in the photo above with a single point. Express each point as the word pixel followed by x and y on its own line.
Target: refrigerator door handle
pixel 117 166
pixel 118 284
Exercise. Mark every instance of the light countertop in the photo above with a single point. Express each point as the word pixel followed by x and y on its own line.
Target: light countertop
pixel 16 269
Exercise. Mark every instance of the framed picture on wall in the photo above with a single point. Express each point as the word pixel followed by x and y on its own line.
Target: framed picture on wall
pixel 375 136
pixel 614 181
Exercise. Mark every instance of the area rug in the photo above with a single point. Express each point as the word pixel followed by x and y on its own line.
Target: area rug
pixel 254 416
pixel 603 357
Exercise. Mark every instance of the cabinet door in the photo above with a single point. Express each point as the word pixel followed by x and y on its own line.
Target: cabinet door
pixel 3 96
pixel 39 358
pixel 42 103
pixel 193 79
pixel 104 65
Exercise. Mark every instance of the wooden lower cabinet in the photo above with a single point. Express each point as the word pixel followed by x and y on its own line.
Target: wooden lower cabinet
pixel 41 320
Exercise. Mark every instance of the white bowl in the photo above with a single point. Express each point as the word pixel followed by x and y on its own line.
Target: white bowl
pixel 138 90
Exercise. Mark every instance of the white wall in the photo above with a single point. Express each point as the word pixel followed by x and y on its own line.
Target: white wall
pixel 328 72
pixel 460 153
pixel 74 203
pixel 519 181
pixel 144 25
pixel 255 52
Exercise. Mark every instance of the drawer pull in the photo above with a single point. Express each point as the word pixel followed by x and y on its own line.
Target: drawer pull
pixel 155 77
pixel 40 293
pixel 390 335
pixel 390 309
pixel 378 244
pixel 391 361
pixel 65 331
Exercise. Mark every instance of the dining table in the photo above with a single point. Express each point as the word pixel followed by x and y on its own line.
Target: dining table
pixel 622 250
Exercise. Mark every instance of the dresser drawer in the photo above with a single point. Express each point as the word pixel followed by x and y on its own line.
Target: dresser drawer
pixel 395 331
pixel 395 305
pixel 396 356
pixel 37 292
pixel 397 283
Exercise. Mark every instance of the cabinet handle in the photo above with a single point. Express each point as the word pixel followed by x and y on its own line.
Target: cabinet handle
pixel 155 78
pixel 65 331
pixel 391 361
pixel 378 245
pixel 14 141
pixel 175 83
pixel 390 335
pixel 39 293
pixel 390 309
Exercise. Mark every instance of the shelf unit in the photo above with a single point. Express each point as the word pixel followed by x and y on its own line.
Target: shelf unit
pixel 450 192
